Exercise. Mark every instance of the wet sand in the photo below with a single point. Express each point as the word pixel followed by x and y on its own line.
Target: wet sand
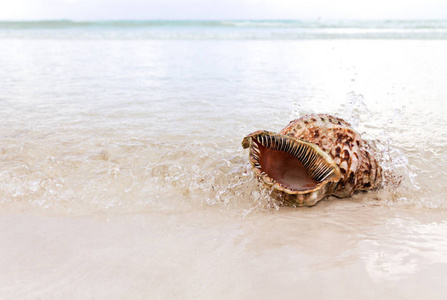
pixel 336 250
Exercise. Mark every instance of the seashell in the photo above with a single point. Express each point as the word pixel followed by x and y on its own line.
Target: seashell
pixel 313 157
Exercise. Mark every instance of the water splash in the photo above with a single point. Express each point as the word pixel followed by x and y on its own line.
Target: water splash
pixel 399 175
pixel 355 109
pixel 237 187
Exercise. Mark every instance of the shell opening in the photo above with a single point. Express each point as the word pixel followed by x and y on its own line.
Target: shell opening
pixel 291 164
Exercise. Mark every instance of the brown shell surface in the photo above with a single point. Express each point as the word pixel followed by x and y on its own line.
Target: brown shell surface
pixel 358 166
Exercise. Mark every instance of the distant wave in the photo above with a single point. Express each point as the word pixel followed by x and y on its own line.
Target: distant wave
pixel 55 24
pixel 226 29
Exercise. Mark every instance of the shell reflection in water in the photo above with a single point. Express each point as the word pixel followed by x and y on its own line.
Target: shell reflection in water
pixel 313 157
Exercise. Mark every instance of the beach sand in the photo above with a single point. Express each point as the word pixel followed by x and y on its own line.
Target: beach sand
pixel 336 250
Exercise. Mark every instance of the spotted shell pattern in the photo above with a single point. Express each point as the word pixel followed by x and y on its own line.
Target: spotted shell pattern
pixel 358 166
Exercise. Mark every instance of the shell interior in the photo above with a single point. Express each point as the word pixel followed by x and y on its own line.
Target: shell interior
pixel 291 164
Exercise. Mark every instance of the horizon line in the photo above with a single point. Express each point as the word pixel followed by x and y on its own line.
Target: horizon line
pixel 224 19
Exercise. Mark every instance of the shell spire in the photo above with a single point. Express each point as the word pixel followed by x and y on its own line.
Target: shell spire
pixel 313 157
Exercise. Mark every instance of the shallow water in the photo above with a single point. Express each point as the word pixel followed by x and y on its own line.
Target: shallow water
pixel 94 125
pixel 152 128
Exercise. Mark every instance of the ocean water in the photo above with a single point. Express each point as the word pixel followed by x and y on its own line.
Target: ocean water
pixel 146 118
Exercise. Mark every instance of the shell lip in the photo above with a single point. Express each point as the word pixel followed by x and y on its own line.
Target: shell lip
pixel 328 174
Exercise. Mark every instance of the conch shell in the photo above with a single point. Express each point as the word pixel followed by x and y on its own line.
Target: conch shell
pixel 313 157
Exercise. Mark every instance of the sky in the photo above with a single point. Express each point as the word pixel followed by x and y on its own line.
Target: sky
pixel 220 9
